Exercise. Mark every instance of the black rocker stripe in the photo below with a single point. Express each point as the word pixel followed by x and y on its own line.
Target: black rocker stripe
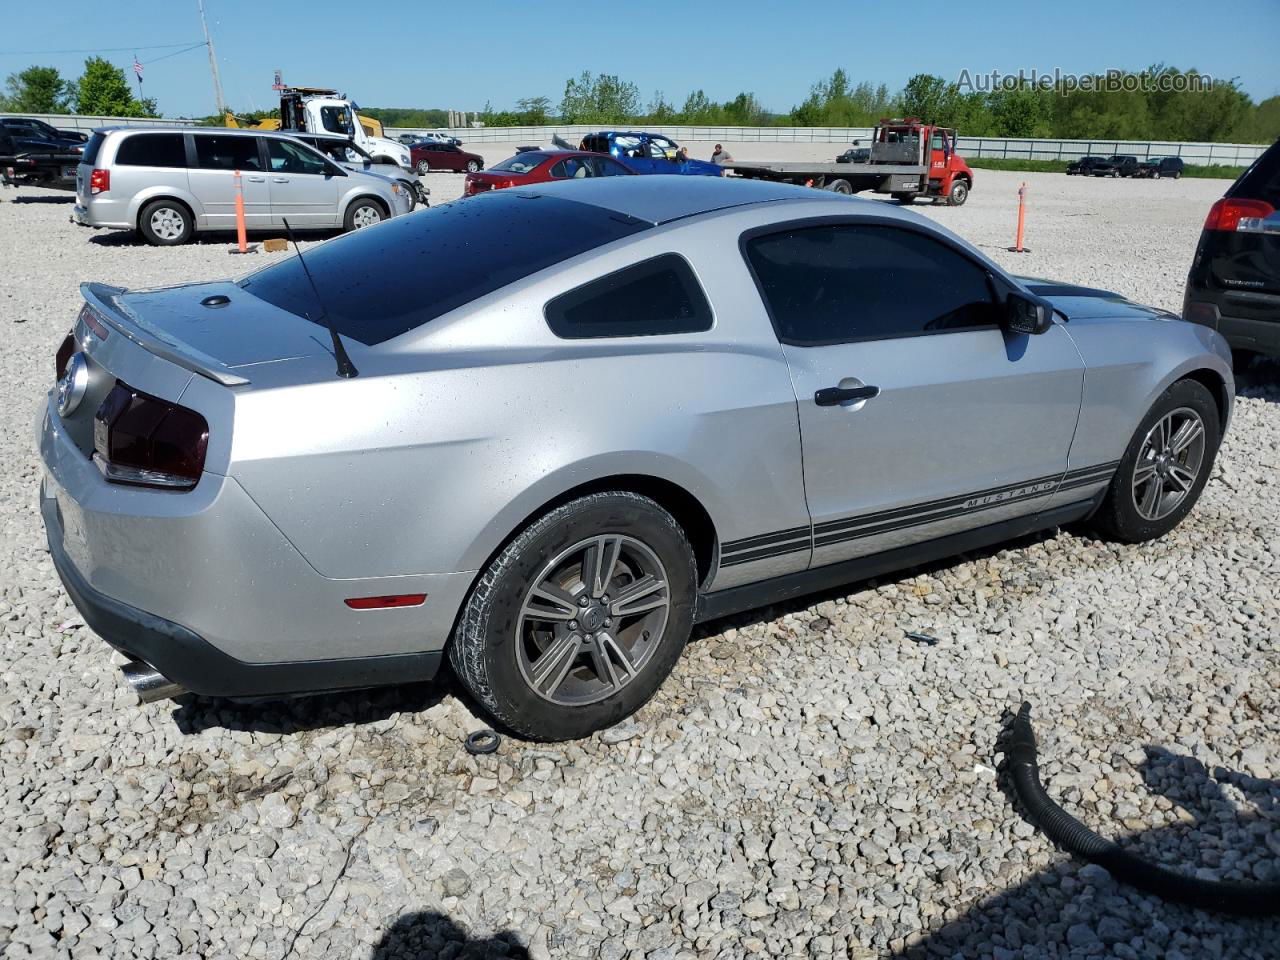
pixel 764 553
pixel 764 539
pixel 766 546
pixel 897 513
pixel 859 533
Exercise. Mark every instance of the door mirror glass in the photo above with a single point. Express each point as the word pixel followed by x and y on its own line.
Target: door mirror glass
pixel 1027 314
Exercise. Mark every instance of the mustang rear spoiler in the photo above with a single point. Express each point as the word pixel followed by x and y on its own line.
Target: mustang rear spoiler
pixel 106 301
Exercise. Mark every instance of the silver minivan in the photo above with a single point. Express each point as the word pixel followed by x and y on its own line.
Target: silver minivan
pixel 167 183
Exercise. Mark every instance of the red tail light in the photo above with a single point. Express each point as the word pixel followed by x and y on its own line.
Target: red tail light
pixel 1226 214
pixel 100 181
pixel 143 440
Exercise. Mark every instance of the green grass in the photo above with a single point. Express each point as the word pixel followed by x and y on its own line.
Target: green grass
pixel 1216 171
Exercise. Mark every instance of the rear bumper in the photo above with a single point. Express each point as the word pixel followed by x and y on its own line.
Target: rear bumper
pixel 188 659
pixel 1259 336
pixel 206 589
pixel 92 215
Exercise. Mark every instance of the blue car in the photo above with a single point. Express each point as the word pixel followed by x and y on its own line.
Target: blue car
pixel 647 153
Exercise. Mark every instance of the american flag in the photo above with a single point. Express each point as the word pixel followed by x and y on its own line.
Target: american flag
pixel 137 67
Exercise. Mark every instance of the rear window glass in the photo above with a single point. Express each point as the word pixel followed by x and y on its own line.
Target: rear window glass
pixel 658 296
pixel 90 155
pixel 1262 180
pixel 379 283
pixel 520 163
pixel 227 153
pixel 152 150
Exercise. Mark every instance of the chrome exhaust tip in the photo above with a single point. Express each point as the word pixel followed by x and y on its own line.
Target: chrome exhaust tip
pixel 150 684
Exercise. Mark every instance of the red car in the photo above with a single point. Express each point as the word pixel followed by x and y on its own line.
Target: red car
pixel 427 155
pixel 541 166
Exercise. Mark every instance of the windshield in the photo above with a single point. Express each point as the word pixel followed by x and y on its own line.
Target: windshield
pixel 520 163
pixel 379 283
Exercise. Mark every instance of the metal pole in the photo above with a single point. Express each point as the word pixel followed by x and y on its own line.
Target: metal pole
pixel 213 62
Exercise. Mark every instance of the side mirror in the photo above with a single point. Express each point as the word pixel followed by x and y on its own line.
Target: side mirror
pixel 1027 314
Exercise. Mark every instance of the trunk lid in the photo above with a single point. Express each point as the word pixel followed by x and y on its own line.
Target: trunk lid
pixel 213 329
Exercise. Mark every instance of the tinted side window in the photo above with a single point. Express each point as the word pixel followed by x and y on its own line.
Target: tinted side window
pixel 227 153
pixel 152 150
pixel 659 296
pixel 291 158
pixel 842 282
pixel 607 167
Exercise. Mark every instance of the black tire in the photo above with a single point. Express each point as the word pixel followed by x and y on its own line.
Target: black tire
pixel 1115 174
pixel 959 192
pixel 423 168
pixel 358 212
pixel 1177 175
pixel 1118 518
pixel 166 223
pixel 1155 175
pixel 840 186
pixel 472 166
pixel 487 646
pixel 905 198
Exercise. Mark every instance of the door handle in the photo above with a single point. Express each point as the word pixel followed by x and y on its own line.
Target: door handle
pixel 834 396
pixel 257 179
pixel 279 179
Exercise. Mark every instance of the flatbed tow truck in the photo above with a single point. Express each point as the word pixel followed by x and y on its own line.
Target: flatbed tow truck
pixel 909 159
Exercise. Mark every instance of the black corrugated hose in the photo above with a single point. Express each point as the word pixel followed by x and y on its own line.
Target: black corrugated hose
pixel 1069 833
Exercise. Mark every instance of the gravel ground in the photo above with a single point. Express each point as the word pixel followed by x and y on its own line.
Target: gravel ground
pixel 809 783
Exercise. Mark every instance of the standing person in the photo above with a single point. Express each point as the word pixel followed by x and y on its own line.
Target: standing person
pixel 720 155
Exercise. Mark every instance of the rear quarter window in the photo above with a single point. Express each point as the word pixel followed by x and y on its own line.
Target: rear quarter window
pixel 152 150
pixel 1262 180
pixel 90 155
pixel 657 297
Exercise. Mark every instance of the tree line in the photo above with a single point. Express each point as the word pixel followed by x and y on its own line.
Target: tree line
pixel 102 90
pixel 1158 103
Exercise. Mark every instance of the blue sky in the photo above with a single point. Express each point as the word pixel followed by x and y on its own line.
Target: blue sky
pixel 402 53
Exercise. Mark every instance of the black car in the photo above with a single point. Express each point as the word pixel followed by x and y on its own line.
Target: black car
pixel 34 153
pixel 1117 166
pixel 855 155
pixel 1234 284
pixel 1084 166
pixel 36 136
pixel 1156 167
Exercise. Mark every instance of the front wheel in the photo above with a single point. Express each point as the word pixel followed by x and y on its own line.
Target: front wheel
pixel 959 193
pixel 364 213
pixel 423 168
pixel 576 623
pixel 1165 467
pixel 840 186
pixel 472 166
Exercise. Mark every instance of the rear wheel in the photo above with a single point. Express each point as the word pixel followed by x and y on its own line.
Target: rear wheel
pixel 1155 175
pixel 166 223
pixel 364 212
pixel 959 193
pixel 1242 360
pixel 1177 175
pixel 577 622
pixel 905 198
pixel 1165 467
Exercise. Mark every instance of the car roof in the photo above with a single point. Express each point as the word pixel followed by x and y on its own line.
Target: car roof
pixel 660 199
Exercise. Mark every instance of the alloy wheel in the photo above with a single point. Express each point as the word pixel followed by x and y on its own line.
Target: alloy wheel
pixel 592 620
pixel 1168 464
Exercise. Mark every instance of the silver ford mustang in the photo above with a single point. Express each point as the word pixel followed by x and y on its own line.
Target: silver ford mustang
pixel 544 432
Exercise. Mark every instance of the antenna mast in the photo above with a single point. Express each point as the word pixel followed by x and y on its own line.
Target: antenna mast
pixel 213 62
